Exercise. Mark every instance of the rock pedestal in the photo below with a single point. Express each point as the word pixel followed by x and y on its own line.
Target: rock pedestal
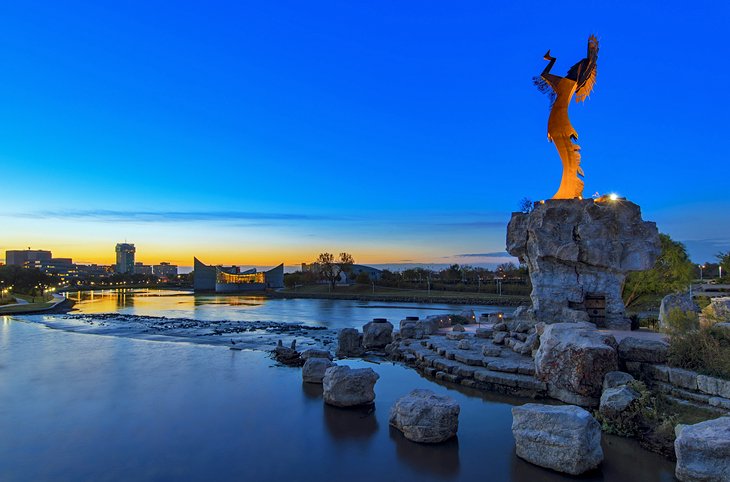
pixel 563 438
pixel 425 417
pixel 578 253
pixel 347 387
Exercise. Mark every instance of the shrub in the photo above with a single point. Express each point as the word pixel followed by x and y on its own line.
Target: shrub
pixel 706 350
pixel 679 322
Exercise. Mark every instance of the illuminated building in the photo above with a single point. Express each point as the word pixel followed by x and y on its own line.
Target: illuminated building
pixel 19 257
pixel 125 258
pixel 230 280
pixel 164 270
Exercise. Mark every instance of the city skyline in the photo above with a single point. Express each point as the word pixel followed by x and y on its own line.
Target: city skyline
pixel 397 134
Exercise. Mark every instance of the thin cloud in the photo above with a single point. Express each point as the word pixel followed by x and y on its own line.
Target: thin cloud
pixel 171 216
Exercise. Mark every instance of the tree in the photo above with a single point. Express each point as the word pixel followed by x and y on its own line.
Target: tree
pixel 331 269
pixel 526 205
pixel 724 259
pixel 672 272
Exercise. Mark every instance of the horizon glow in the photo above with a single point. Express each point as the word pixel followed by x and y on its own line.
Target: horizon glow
pixel 256 134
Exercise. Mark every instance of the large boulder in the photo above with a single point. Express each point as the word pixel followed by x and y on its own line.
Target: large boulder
pixel 412 327
pixel 579 252
pixel 703 451
pixel 573 359
pixel 616 379
pixel 683 301
pixel 315 353
pixel 314 369
pixel 349 343
pixel 348 387
pixel 615 400
pixel 377 334
pixel 718 311
pixel 632 349
pixel 425 417
pixel 563 438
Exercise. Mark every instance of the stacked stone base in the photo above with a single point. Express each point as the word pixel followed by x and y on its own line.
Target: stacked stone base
pixel 440 358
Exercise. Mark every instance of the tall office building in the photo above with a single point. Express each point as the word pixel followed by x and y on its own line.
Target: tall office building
pixel 125 258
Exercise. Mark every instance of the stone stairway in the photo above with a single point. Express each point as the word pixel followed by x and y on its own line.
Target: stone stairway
pixel 478 363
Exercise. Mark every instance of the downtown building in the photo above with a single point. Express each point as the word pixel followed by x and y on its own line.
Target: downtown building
pixel 125 258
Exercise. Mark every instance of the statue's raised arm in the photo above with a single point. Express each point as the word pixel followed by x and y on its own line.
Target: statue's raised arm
pixel 579 82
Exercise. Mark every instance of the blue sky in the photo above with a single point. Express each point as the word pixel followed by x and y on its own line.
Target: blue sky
pixel 251 132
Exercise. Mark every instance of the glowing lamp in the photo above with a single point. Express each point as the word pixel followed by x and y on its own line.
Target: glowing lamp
pixel 613 196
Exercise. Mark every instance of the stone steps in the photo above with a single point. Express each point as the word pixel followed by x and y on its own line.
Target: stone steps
pixel 437 358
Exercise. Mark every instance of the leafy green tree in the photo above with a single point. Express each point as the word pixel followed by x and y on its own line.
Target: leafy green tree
pixel 724 261
pixel 331 269
pixel 672 272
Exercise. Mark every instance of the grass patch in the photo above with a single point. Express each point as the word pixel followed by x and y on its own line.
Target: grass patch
pixel 704 349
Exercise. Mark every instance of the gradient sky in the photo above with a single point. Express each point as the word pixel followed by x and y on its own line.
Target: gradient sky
pixel 262 132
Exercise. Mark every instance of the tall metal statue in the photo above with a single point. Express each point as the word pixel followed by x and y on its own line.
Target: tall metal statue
pixel 579 82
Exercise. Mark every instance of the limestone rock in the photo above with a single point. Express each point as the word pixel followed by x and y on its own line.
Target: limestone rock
pixel 616 379
pixel 675 300
pixel 703 451
pixel 641 350
pixel 574 248
pixel 616 400
pixel 377 334
pixel 458 328
pixel 563 438
pixel 573 358
pixel 464 345
pixel 347 387
pixel 500 337
pixel 412 329
pixel 484 332
pixel 315 353
pixel 349 343
pixel 491 351
pixel 287 356
pixel 501 326
pixel 425 417
pixel 314 368
pixel 718 311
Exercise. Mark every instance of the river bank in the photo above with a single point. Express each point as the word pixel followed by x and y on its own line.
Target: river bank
pixel 145 410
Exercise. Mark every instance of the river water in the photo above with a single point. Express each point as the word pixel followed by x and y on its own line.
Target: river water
pixel 91 407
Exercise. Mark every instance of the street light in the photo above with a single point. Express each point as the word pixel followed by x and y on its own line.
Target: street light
pixel 701 266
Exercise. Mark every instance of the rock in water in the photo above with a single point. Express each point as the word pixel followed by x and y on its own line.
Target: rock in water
pixel 377 334
pixel 573 359
pixel 314 368
pixel 425 417
pixel 315 353
pixel 287 356
pixel 574 248
pixel 563 438
pixel 347 387
pixel 349 343
pixel 703 451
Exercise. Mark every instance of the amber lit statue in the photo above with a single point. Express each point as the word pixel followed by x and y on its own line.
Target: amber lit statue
pixel 579 82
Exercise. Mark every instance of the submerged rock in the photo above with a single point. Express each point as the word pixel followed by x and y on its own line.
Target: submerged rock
pixel 314 369
pixel 563 438
pixel 703 451
pixel 286 355
pixel 425 417
pixel 573 358
pixel 347 387
pixel 349 343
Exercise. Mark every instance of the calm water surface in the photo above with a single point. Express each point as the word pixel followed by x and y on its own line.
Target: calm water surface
pixel 329 313
pixel 88 407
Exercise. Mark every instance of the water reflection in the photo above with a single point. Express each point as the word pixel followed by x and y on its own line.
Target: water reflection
pixel 350 423
pixel 312 391
pixel 441 459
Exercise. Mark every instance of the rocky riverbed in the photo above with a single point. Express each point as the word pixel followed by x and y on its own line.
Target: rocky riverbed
pixel 256 335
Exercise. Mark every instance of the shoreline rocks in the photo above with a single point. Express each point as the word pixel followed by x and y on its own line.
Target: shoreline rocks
pixel 563 438
pixel 348 387
pixel 314 369
pixel 349 343
pixel 377 334
pixel 703 451
pixel 426 417
pixel 573 359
